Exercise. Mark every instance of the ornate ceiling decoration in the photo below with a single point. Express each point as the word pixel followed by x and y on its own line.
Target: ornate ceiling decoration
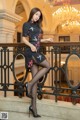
pixel 19 8
pixel 61 2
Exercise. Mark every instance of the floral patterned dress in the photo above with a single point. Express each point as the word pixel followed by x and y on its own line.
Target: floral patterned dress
pixel 34 32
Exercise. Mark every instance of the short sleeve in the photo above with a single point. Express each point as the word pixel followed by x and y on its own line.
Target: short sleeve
pixel 25 29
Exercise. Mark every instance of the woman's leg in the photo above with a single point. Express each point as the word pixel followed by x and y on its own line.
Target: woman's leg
pixel 45 68
pixel 34 70
pixel 32 85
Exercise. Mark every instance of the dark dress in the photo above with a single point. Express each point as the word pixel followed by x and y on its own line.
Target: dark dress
pixel 34 32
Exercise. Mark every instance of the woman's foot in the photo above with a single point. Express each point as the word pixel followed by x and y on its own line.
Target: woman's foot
pixel 28 91
pixel 33 112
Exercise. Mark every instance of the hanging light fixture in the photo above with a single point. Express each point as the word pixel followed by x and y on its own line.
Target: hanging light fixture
pixel 66 16
pixel 67 12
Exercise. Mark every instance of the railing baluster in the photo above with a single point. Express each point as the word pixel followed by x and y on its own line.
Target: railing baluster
pixel 7 66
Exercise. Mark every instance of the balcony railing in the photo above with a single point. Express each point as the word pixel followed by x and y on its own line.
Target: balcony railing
pixel 63 77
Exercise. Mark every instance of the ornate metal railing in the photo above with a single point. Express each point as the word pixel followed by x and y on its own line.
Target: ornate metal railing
pixel 63 76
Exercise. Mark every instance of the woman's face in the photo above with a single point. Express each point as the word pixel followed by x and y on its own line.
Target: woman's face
pixel 36 16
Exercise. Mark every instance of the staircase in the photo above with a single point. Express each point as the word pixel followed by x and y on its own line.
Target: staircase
pixel 17 109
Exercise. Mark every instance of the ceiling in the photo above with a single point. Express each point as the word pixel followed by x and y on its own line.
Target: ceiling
pixel 61 2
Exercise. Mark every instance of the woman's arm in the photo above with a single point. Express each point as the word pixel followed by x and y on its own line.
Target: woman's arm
pixel 26 41
pixel 47 40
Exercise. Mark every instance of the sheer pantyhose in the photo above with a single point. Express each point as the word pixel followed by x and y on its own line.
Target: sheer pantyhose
pixel 34 70
pixel 36 75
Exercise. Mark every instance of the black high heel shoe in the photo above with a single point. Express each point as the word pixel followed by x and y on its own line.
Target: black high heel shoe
pixel 27 94
pixel 31 110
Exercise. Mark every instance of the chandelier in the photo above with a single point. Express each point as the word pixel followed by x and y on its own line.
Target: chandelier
pixel 67 12
pixel 71 23
pixel 66 16
pixel 69 27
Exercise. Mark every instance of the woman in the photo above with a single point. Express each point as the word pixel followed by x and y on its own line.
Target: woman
pixel 32 33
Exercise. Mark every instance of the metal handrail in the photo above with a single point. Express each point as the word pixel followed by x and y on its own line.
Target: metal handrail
pixel 55 51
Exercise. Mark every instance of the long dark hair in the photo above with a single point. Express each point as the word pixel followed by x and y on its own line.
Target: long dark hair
pixel 33 11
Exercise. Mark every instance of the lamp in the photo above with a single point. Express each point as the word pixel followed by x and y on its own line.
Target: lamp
pixel 67 12
pixel 66 16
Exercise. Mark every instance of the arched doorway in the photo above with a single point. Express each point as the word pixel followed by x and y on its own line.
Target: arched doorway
pixel 19 10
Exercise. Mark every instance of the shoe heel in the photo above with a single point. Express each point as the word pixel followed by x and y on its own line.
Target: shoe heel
pixel 31 110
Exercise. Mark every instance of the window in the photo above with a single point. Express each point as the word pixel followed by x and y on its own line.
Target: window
pixel 64 38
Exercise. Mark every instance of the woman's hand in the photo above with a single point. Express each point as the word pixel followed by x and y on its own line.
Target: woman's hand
pixel 33 48
pixel 50 40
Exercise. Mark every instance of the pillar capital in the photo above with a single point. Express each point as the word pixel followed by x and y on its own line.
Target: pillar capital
pixel 8 15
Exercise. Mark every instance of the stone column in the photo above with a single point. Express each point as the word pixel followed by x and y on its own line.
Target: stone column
pixel 7 29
